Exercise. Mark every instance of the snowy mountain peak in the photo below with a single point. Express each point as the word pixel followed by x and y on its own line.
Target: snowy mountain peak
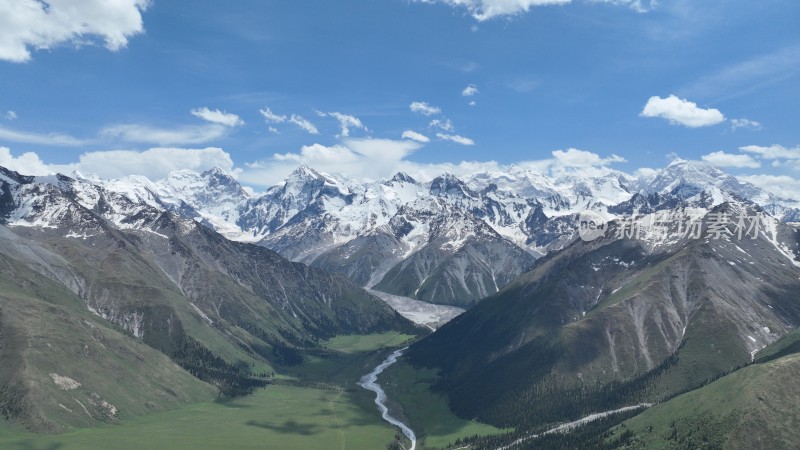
pixel 216 170
pixel 402 177
pixel 451 186
pixel 303 172
pixel 692 173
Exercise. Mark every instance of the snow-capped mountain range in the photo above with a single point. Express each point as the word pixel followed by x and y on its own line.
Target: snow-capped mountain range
pixel 450 240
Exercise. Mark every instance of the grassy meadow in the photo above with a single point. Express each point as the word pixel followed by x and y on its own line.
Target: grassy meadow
pixel 338 416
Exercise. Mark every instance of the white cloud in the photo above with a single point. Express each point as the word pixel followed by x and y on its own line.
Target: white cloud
pixel 637 5
pixel 444 124
pixel 273 130
pixel 470 90
pixel 781 185
pixel 26 163
pixel 303 123
pixel 383 150
pixel 55 139
pixel 357 158
pixel 487 9
pixel 346 122
pixel 722 159
pixel 455 138
pixel 582 159
pixel 773 151
pixel 319 155
pixel 187 135
pixel 424 108
pixel 414 136
pixel 11 115
pixel 746 124
pixel 36 24
pixel 271 117
pixel 681 112
pixel 645 173
pixel 218 126
pixel 472 103
pixel 362 159
pixel 218 117
pixel 483 10
pixel 155 163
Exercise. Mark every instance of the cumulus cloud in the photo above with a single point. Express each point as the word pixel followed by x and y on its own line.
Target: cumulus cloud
pixel 681 112
pixel 781 185
pixel 581 159
pixel 55 139
pixel 146 134
pixel 488 9
pixel 357 158
pixel 36 24
pixel 424 108
pixel 455 138
pixel 773 151
pixel 27 163
pixel 361 159
pixel 10 115
pixel 722 159
pixel 483 10
pixel 746 124
pixel 365 159
pixel 319 155
pixel 470 90
pixel 637 5
pixel 414 136
pixel 442 124
pixel 300 121
pixel 155 163
pixel 218 117
pixel 346 122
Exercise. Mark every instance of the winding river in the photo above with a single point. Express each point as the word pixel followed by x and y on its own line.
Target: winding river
pixel 370 382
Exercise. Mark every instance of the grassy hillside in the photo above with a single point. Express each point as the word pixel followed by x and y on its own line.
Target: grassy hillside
pixel 325 409
pixel 611 323
pixel 753 408
pixel 62 367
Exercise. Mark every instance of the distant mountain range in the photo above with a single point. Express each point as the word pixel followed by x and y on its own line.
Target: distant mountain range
pixel 89 274
pixel 565 326
pixel 448 240
pixel 630 319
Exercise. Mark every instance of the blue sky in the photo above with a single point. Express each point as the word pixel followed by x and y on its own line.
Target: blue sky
pixel 145 87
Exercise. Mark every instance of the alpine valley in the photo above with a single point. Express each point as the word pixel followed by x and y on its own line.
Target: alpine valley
pixel 124 299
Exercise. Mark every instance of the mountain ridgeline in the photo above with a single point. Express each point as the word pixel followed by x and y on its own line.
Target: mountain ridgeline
pixel 96 280
pixel 622 320
pixel 450 239
pixel 186 282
